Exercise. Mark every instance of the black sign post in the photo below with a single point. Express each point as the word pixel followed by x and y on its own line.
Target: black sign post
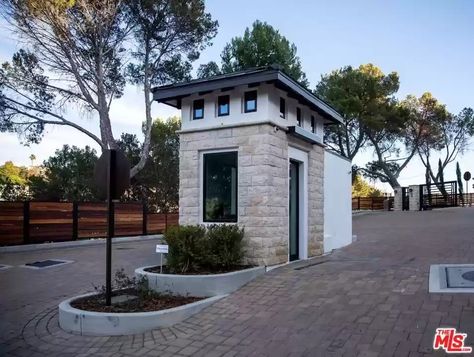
pixel 112 176
pixel 467 177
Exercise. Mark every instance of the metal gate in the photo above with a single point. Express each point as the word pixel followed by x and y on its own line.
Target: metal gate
pixel 437 195
pixel 405 199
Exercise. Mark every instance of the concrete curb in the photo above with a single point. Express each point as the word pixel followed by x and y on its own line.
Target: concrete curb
pixel 76 243
pixel 89 323
pixel 199 285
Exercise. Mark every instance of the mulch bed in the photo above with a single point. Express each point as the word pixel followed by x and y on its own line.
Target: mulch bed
pixel 152 302
pixel 202 271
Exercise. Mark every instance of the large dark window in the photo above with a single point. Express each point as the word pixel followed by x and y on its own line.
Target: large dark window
pixel 250 101
pixel 223 107
pixel 298 116
pixel 220 187
pixel 313 128
pixel 282 108
pixel 198 109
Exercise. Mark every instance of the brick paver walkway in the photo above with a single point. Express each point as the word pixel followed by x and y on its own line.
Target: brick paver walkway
pixel 368 299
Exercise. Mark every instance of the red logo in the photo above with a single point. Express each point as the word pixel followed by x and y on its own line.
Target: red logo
pixel 450 340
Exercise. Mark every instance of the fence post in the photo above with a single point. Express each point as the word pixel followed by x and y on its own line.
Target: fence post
pixel 358 203
pixel 372 203
pixel 75 220
pixel 26 222
pixel 145 219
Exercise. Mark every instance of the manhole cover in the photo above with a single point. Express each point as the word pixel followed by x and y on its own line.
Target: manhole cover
pixel 42 264
pixel 469 275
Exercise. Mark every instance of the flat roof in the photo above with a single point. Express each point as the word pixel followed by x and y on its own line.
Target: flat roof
pixel 173 93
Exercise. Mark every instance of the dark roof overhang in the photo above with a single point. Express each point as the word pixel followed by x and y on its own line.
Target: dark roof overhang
pixel 172 94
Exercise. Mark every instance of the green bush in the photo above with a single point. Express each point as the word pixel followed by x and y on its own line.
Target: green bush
pixel 187 248
pixel 225 245
pixel 195 248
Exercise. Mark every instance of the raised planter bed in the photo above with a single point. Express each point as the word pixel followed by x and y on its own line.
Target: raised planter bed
pixel 125 323
pixel 199 285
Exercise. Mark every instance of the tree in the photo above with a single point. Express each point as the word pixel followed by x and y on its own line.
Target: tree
pixel 361 188
pixel 460 186
pixel 260 46
pixel 372 118
pixel 68 176
pixel 162 172
pixel 442 133
pixel 169 35
pixel 10 173
pixel 75 56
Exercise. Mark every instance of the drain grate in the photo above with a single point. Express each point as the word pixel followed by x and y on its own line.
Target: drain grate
pixel 48 263
pixel 451 278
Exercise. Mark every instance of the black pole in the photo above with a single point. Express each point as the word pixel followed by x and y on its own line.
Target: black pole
pixel 110 226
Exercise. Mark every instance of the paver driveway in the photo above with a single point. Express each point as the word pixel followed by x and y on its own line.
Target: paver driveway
pixel 370 298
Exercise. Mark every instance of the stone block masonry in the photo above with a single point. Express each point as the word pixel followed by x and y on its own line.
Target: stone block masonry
pixel 262 186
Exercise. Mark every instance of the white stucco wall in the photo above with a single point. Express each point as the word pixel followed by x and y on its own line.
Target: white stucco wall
pixel 337 202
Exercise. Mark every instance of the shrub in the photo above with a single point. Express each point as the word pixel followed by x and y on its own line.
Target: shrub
pixel 193 248
pixel 225 245
pixel 187 248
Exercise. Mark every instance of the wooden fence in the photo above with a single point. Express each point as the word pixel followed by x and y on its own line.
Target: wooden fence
pixel 370 203
pixel 37 222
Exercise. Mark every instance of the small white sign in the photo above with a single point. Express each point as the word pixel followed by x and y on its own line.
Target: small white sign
pixel 162 248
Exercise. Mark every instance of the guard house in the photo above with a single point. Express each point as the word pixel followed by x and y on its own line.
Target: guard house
pixel 252 153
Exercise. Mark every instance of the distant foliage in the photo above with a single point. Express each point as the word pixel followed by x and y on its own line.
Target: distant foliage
pixel 262 45
pixel 68 176
pixel 361 188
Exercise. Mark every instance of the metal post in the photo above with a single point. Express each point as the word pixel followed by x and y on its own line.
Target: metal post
pixel 110 227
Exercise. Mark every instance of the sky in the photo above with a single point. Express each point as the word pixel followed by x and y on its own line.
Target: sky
pixel 427 42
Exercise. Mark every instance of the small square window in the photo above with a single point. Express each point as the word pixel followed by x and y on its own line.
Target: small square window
pixel 298 116
pixel 282 108
pixel 223 106
pixel 313 128
pixel 250 101
pixel 198 109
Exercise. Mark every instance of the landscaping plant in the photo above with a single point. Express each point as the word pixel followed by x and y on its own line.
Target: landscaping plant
pixel 195 248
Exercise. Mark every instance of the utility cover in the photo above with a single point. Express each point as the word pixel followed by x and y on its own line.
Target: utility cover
pixel 45 263
pixel 460 277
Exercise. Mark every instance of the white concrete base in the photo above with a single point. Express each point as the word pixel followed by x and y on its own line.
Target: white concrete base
pixel 438 282
pixel 199 285
pixel 91 323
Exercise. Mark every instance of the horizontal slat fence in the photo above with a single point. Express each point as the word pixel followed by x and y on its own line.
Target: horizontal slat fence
pixel 369 203
pixel 38 222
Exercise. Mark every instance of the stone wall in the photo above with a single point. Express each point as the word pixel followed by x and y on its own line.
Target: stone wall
pixel 414 197
pixel 262 187
pixel 397 199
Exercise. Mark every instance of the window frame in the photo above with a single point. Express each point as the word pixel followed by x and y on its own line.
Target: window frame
pixel 246 110
pixel 282 113
pixel 203 190
pixel 299 117
pixel 194 108
pixel 219 113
